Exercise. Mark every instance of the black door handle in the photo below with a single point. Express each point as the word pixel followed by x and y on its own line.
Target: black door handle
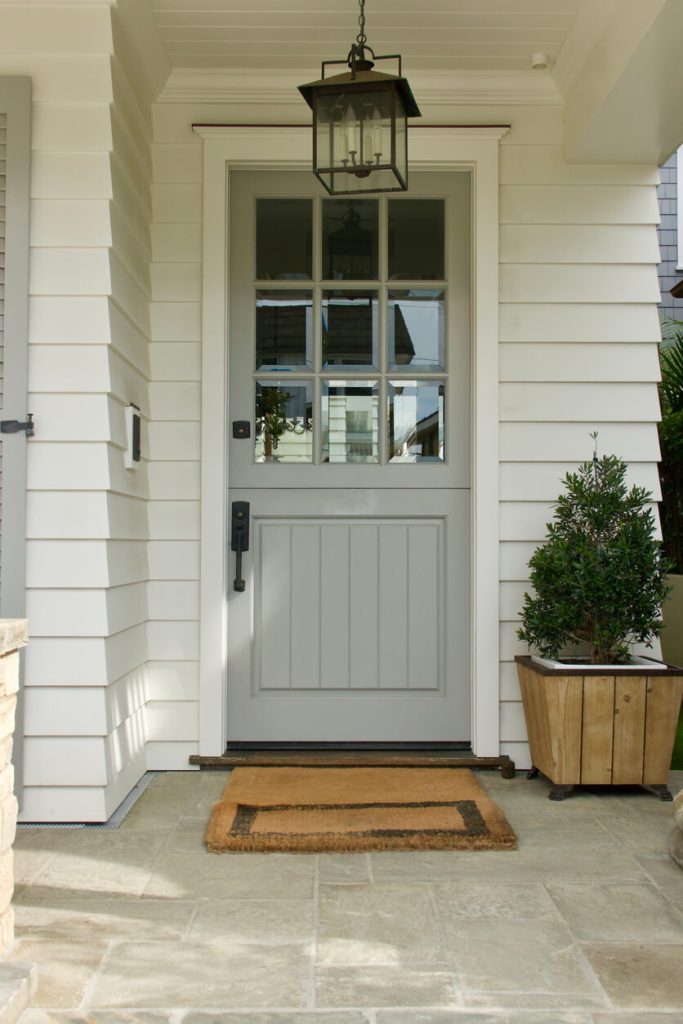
pixel 239 538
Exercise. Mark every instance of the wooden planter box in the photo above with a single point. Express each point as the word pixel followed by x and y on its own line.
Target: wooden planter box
pixel 601 730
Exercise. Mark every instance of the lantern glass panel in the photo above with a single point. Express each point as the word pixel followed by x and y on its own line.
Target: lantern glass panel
pixel 353 130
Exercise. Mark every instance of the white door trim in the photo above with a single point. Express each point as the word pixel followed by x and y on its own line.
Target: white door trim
pixel 228 147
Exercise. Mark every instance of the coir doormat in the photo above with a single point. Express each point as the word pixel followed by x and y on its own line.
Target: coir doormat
pixel 315 810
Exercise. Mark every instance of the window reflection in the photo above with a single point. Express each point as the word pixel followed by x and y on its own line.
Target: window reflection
pixel 284 329
pixel 350 428
pixel 416 421
pixel 350 239
pixel 350 328
pixel 416 329
pixel 283 417
pixel 416 239
pixel 284 233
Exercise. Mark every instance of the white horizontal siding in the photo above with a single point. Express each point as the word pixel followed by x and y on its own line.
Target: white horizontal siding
pixel 586 363
pixel 569 243
pixel 579 332
pixel 580 322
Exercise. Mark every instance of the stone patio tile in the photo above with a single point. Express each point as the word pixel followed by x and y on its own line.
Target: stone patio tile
pixel 105 863
pixel 617 912
pixel 199 974
pixel 129 1017
pixel 493 901
pixel 254 921
pixel 532 862
pixel 187 835
pixel 477 1017
pixel 83 919
pixel 636 1018
pixel 233 875
pixel 531 960
pixel 637 975
pixel 341 868
pixel 376 925
pixel 647 834
pixel 666 875
pixel 297 1017
pixel 64 968
pixel 385 985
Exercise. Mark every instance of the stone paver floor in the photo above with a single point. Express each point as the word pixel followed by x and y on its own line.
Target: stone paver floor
pixel 583 924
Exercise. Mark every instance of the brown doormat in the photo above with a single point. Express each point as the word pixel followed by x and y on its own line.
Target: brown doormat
pixel 315 810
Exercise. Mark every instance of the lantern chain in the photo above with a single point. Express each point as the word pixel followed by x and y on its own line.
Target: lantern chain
pixel 361 38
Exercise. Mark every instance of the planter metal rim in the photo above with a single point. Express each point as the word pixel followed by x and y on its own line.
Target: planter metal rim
pixel 546 668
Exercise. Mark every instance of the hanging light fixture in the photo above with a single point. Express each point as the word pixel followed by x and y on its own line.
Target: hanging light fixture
pixel 360 137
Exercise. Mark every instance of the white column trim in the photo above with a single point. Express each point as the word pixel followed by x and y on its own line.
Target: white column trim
pixel 679 208
pixel 228 147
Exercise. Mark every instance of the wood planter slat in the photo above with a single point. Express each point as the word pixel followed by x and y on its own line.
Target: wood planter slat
pixel 589 729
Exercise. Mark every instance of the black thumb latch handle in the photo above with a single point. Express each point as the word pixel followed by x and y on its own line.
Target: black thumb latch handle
pixel 239 538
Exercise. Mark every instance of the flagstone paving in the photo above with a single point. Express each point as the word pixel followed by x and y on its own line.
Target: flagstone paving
pixel 583 924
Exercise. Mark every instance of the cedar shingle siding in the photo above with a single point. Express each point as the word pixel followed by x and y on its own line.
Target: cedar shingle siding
pixel 668 242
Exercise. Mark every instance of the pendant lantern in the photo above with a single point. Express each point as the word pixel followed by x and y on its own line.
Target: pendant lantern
pixel 360 136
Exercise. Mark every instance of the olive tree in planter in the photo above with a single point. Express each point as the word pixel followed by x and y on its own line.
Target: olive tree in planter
pixel 596 714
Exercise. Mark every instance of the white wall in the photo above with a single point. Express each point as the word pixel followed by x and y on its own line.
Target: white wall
pixel 88 342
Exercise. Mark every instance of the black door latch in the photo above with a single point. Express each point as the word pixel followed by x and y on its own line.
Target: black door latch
pixel 15 427
pixel 239 538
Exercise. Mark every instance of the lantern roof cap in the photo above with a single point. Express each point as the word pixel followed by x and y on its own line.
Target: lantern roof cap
pixel 363 78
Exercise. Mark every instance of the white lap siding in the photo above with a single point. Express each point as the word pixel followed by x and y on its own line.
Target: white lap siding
pixel 578 353
pixel 88 334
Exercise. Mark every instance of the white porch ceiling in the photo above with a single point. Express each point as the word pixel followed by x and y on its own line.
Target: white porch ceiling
pixel 440 35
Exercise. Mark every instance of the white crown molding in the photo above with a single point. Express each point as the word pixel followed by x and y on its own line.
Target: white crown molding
pixel 278 88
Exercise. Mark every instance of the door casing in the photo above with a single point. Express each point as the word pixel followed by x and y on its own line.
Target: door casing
pixel 229 147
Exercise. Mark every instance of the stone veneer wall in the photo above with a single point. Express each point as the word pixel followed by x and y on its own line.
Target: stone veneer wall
pixel 12 638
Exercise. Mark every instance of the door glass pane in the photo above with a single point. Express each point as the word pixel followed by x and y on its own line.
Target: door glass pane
pixel 284 424
pixel 350 239
pixel 416 329
pixel 416 421
pixel 416 240
pixel 284 329
pixel 350 328
pixel 284 232
pixel 350 414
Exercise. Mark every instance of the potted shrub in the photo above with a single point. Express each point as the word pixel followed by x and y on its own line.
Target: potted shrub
pixel 596 713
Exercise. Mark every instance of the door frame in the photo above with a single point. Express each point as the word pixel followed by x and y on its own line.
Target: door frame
pixel 227 147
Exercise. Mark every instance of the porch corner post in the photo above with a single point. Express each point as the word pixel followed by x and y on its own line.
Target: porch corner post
pixel 212 618
pixel 485 454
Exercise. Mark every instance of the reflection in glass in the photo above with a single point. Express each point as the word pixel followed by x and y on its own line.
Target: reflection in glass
pixel 416 421
pixel 350 234
pixel 416 321
pixel 284 230
pixel 284 329
pixel 350 328
pixel 416 240
pixel 350 429
pixel 283 417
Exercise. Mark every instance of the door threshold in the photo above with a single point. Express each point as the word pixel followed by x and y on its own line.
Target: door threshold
pixel 335 755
